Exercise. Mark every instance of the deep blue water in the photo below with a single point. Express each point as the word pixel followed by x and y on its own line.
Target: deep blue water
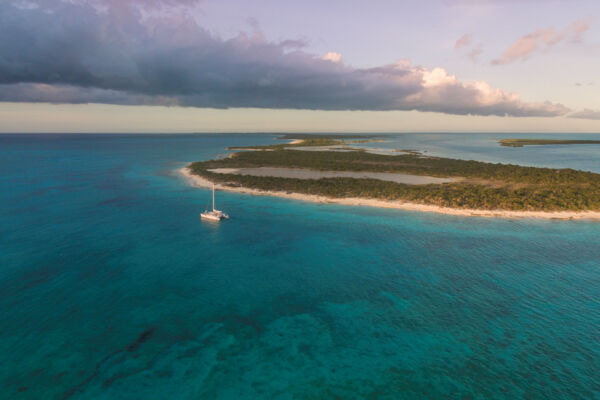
pixel 112 288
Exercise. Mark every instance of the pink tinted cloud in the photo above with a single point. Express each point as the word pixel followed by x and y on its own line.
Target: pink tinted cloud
pixel 463 41
pixel 541 39
pixel 475 53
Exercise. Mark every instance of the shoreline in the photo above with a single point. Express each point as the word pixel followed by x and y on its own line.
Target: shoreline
pixel 198 181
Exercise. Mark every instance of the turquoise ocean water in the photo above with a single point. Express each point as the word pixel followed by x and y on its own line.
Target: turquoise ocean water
pixel 112 288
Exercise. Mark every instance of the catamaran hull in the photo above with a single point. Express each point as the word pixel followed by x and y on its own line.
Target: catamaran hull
pixel 212 216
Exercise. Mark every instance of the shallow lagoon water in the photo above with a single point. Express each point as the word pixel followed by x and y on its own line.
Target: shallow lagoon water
pixel 112 288
pixel 302 173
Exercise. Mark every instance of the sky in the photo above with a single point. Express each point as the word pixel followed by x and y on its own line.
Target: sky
pixel 291 66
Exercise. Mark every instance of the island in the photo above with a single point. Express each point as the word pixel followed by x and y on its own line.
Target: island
pixel 337 173
pixel 542 142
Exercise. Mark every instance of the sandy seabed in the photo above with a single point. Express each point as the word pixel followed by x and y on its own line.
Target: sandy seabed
pixel 198 181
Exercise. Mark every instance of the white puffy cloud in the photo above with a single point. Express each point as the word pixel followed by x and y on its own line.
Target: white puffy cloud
pixel 445 93
pixel 332 56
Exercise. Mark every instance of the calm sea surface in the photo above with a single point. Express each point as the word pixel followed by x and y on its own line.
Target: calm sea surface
pixel 112 288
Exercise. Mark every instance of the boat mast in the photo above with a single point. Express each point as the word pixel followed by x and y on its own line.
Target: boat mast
pixel 213 196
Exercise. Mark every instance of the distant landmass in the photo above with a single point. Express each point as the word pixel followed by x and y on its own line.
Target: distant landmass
pixel 542 142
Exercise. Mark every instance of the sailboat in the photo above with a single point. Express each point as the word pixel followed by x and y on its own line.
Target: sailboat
pixel 214 215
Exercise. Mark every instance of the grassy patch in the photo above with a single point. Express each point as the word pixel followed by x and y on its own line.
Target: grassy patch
pixel 310 142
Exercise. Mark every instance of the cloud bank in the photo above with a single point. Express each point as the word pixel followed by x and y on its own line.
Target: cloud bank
pixel 541 39
pixel 134 52
pixel 586 114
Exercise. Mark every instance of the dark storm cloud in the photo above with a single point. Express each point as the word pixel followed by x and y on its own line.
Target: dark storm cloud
pixel 125 52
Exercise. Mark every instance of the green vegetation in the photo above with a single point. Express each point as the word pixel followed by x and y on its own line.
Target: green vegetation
pixel 304 143
pixel 335 136
pixel 364 141
pixel 308 140
pixel 485 185
pixel 531 142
